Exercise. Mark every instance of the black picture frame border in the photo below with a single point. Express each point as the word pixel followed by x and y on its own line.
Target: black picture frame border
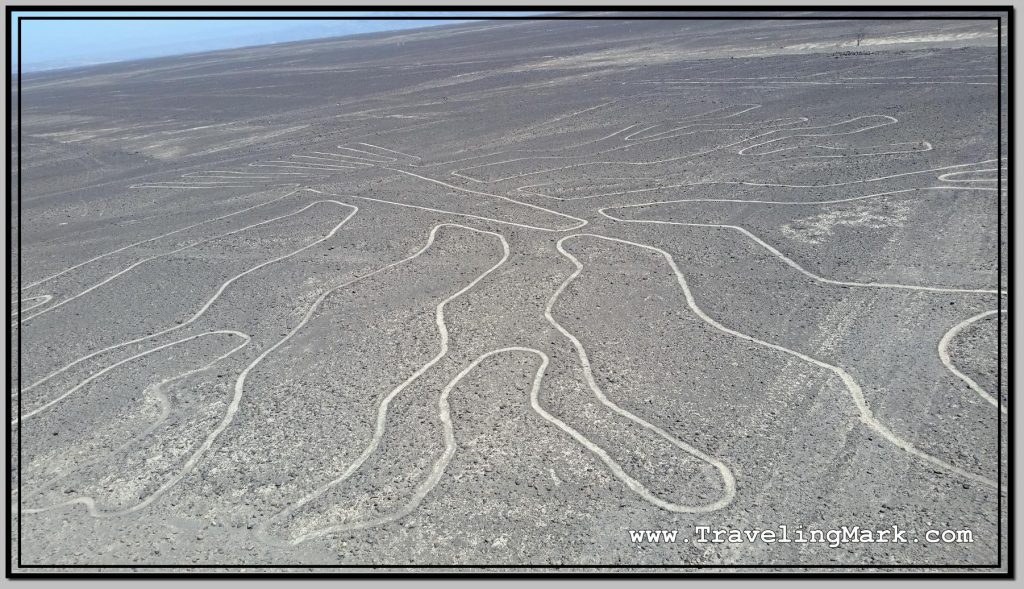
pixel 505 570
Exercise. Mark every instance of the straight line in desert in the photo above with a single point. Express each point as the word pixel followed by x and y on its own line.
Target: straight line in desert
pixel 582 222
pixel 196 186
pixel 312 165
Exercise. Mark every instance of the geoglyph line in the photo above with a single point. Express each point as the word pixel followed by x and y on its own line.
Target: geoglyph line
pixel 296 166
pixel 699 119
pixel 684 130
pixel 240 382
pixel 311 165
pixel 948 177
pixel 527 129
pixel 948 362
pixel 340 161
pixel 528 189
pixel 204 183
pixel 377 158
pixel 202 310
pixel 138 243
pixel 845 82
pixel 194 186
pixel 856 393
pixel 323 162
pixel 385 403
pixel 926 146
pixel 89 502
pixel 441 211
pixel 390 150
pixel 789 202
pixel 676 133
pixel 40 301
pixel 103 371
pixel 461 173
pixel 333 161
pixel 450 445
pixel 728 480
pixel 890 120
pixel 791 263
pixel 239 173
pixel 181 249
pixel 582 222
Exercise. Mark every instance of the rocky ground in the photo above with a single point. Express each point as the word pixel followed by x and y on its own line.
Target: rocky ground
pixel 500 293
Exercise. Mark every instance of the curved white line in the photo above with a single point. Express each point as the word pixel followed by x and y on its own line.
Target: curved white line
pixel 137 243
pixel 523 130
pixel 461 173
pixel 947 177
pixel 790 202
pixel 739 183
pixel 208 303
pixel 728 480
pixel 677 158
pixel 181 249
pixel 856 393
pixel 44 299
pixel 682 131
pixel 891 121
pixel 90 503
pixel 791 263
pixel 440 465
pixel 695 120
pixel 927 147
pixel 100 373
pixel 948 362
pixel 385 403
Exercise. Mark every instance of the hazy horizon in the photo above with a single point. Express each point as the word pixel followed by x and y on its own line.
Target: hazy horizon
pixel 49 45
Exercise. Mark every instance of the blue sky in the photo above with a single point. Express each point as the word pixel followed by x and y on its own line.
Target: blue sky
pixel 55 44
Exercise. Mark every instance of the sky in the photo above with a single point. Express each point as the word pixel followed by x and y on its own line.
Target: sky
pixel 71 42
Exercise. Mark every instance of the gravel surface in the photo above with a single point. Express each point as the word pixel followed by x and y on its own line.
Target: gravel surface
pixel 498 294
